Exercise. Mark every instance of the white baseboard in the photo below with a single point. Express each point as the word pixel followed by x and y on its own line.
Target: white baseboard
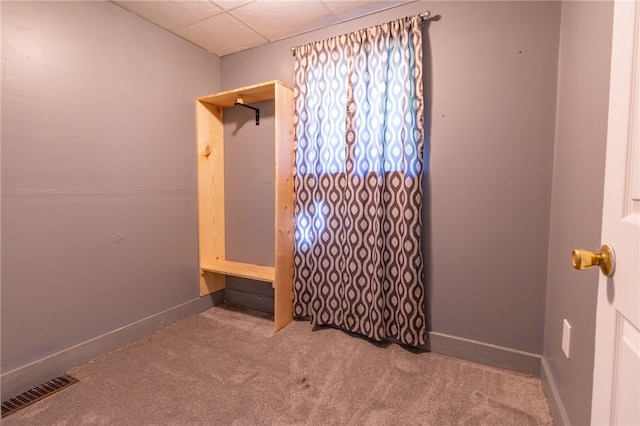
pixel 485 353
pixel 26 377
pixel 558 412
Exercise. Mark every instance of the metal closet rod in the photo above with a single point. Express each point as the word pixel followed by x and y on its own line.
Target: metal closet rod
pixel 423 15
pixel 240 102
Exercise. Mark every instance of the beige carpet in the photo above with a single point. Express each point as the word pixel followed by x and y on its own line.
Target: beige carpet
pixel 226 367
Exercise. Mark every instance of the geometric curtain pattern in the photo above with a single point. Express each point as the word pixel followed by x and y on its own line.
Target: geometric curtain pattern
pixel 358 193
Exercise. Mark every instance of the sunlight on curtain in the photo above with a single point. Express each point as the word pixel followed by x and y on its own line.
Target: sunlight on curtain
pixel 359 136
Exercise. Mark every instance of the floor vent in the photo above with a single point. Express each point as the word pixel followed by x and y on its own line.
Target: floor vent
pixel 27 398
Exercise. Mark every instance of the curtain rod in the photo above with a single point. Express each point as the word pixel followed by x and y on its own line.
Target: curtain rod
pixel 423 15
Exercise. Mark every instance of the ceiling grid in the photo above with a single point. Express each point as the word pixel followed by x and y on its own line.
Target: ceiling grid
pixel 223 27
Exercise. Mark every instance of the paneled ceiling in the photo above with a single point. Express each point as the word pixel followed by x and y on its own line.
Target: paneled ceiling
pixel 227 26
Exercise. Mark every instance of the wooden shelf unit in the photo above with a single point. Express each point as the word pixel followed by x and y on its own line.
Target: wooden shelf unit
pixel 214 267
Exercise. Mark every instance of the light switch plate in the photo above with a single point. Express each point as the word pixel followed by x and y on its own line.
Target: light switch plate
pixel 566 337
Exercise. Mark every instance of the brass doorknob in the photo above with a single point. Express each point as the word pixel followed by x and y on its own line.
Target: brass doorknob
pixel 605 259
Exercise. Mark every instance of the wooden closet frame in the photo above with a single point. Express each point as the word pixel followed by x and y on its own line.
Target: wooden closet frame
pixel 214 267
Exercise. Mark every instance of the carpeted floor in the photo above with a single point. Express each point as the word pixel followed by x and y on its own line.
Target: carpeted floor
pixel 226 367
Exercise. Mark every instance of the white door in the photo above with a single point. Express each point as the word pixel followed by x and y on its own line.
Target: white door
pixel 616 376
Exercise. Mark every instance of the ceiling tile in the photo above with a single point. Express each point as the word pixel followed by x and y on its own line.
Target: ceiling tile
pixel 230 4
pixel 345 10
pixel 280 19
pixel 172 14
pixel 221 35
pixel 228 26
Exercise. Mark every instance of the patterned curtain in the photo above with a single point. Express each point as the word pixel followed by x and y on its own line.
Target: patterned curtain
pixel 359 135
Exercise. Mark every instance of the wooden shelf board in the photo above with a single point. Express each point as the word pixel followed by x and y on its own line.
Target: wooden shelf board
pixel 250 94
pixel 243 270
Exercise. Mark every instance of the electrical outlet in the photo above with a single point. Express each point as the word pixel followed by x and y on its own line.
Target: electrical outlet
pixel 566 337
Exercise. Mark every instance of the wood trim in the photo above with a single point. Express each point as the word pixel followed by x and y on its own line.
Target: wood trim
pixel 211 282
pixel 284 140
pixel 243 270
pixel 210 163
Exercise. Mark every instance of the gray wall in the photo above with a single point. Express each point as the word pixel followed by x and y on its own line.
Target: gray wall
pixel 98 214
pixel 249 178
pixel 492 89
pixel 99 217
pixel 576 203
